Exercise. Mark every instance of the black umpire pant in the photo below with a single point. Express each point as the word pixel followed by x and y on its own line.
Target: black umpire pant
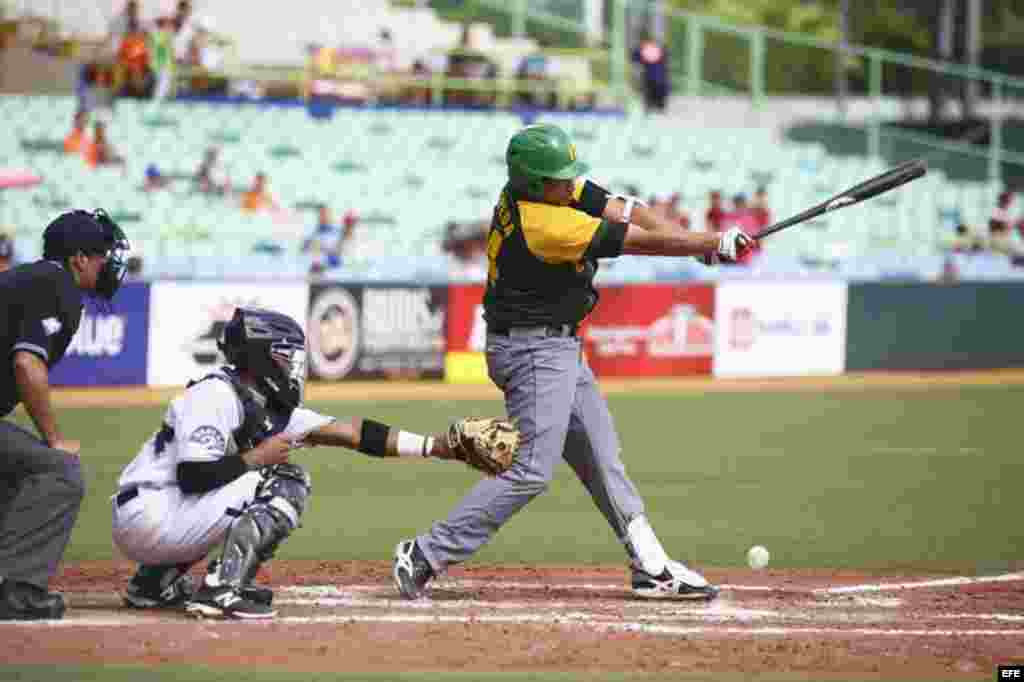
pixel 41 491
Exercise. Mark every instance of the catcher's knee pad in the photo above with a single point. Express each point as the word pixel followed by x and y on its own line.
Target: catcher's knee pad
pixel 285 484
pixel 263 525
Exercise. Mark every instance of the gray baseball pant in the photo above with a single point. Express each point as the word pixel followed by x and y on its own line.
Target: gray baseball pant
pixel 41 491
pixel 551 391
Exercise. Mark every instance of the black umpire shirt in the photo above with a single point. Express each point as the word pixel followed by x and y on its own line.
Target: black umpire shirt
pixel 41 307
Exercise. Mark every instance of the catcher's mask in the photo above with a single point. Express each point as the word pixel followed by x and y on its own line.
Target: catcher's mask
pixel 272 347
pixel 91 233
pixel 537 152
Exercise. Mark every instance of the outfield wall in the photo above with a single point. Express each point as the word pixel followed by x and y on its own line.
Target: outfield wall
pixel 164 333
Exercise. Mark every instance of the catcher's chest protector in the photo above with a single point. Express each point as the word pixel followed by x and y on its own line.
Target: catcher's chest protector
pixel 258 423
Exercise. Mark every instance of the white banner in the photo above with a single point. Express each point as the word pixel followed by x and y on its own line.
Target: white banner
pixel 186 319
pixel 780 328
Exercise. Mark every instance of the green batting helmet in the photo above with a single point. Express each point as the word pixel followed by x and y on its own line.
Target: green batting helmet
pixel 541 151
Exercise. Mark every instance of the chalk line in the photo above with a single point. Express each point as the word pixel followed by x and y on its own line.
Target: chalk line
pixel 568 620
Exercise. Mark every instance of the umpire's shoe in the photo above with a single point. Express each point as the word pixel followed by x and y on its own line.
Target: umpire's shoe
pixel 23 601
pixel 411 571
pixel 159 587
pixel 675 582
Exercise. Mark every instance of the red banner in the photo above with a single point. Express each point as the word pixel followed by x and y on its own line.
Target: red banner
pixel 636 330
pixel 466 328
pixel 651 330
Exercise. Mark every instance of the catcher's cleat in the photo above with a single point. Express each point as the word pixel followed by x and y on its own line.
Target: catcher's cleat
pixel 226 602
pixel 411 571
pixel 159 587
pixel 257 593
pixel 675 582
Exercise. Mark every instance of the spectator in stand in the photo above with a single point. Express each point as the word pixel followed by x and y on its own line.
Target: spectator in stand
pixel 133 61
pixel 94 89
pixel 99 152
pixel 743 217
pixel 328 242
pixel 1000 239
pixel 209 177
pixel 1001 214
pixel 77 140
pixel 6 253
pixel 965 242
pixel 133 268
pixel 155 179
pixel 467 246
pixel 675 212
pixel 161 51
pixel 122 24
pixel 715 213
pixel 653 59
pixel 762 214
pixel 257 198
pixel 419 95
pixel 184 31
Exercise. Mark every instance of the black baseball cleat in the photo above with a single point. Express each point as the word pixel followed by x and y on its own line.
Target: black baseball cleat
pixel 675 582
pixel 227 602
pixel 258 593
pixel 159 587
pixel 411 570
pixel 24 601
pixel 253 592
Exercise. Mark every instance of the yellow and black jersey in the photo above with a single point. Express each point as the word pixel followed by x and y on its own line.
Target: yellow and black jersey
pixel 543 258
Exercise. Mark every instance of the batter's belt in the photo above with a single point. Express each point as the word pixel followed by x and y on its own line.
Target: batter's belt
pixel 542 331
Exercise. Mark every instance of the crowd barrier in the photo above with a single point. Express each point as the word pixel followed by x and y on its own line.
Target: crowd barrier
pixel 165 332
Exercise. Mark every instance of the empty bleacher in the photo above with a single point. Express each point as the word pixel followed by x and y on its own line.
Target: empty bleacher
pixel 408 172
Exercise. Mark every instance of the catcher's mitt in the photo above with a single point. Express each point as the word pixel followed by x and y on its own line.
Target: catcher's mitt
pixel 486 444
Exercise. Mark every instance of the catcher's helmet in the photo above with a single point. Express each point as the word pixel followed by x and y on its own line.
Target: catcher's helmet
pixel 541 151
pixel 272 347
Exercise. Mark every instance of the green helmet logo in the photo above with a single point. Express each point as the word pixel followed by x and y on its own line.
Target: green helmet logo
pixel 541 151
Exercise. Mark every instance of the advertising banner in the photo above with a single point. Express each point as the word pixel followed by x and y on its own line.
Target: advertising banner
pixel 780 328
pixel 187 318
pixel 904 326
pixel 110 346
pixel 467 335
pixel 651 330
pixel 370 331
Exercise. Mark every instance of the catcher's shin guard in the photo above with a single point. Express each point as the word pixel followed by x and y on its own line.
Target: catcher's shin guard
pixel 263 525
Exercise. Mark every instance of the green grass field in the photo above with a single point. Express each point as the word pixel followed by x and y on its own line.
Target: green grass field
pixel 875 479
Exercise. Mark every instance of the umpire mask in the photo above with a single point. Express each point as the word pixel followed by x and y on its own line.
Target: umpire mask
pixel 112 274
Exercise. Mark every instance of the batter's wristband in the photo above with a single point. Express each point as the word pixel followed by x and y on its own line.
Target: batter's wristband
pixel 373 438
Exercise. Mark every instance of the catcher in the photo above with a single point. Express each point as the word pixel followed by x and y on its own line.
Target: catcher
pixel 218 472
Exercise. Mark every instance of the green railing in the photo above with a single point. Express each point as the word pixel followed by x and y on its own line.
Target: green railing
pixel 711 56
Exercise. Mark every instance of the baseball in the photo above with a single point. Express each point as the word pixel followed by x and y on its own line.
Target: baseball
pixel 757 557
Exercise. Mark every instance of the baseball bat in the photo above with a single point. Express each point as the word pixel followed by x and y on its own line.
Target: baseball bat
pixel 902 174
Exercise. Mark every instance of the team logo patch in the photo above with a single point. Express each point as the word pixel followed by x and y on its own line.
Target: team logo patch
pixel 209 437
pixel 51 325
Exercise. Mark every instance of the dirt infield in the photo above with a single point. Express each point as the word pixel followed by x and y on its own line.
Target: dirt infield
pixel 436 390
pixel 345 617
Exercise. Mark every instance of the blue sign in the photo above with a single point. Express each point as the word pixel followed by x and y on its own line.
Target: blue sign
pixel 110 347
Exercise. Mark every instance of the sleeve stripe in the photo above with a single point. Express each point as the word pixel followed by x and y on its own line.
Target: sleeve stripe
pixel 32 348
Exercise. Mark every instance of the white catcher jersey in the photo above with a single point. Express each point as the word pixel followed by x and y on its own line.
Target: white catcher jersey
pixel 202 419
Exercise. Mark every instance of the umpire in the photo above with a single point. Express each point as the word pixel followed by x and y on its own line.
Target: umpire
pixel 41 485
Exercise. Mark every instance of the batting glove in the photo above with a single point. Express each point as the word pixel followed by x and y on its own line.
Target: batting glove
pixel 733 243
